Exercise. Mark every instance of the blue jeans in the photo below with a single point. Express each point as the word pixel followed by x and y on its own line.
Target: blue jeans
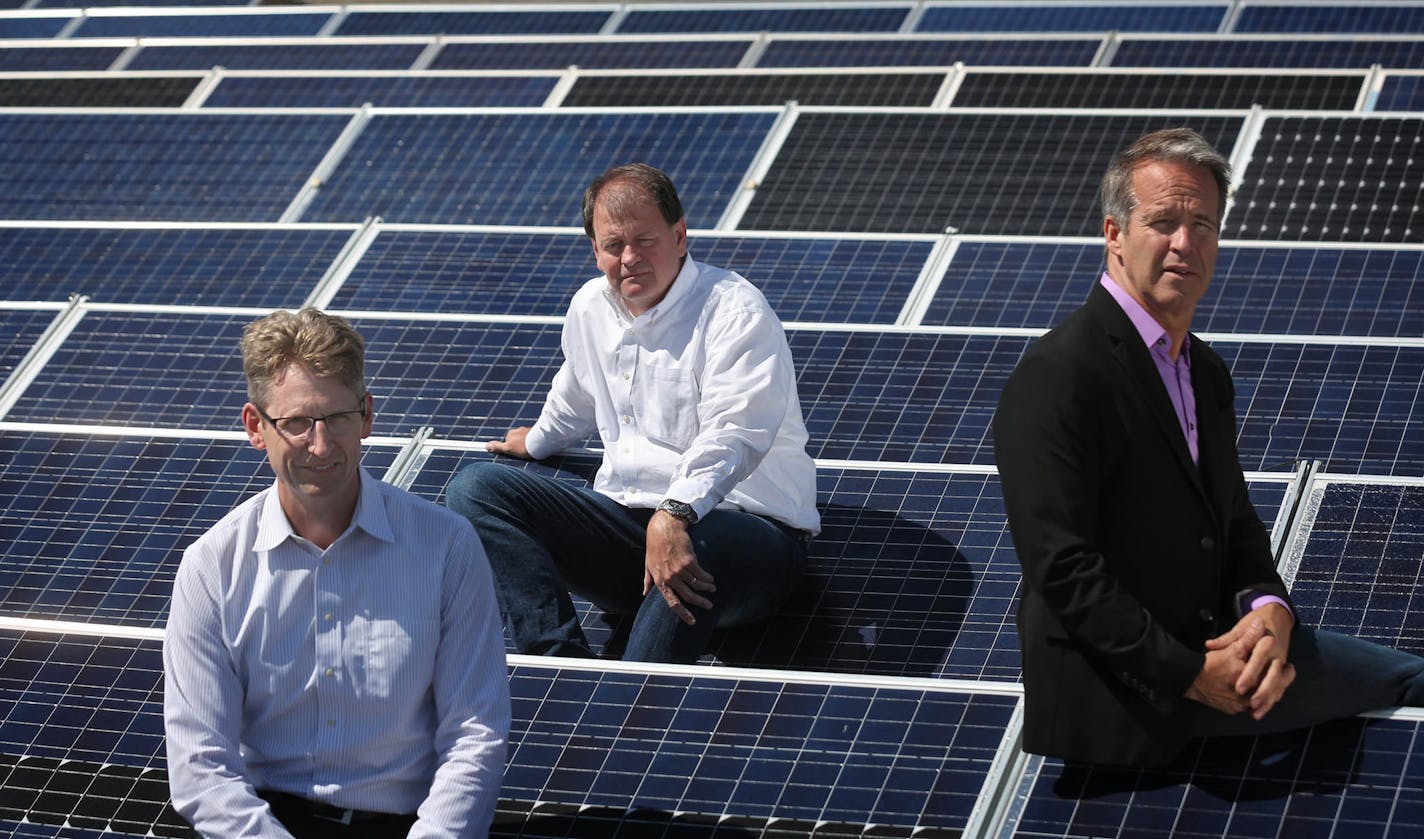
pixel 546 537
pixel 1336 676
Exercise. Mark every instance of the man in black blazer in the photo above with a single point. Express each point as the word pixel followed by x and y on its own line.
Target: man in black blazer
pixel 1151 610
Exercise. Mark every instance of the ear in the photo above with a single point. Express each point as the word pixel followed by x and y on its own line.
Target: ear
pixel 370 416
pixel 252 424
pixel 1112 235
pixel 679 232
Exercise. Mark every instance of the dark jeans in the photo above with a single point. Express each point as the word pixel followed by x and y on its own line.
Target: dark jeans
pixel 308 820
pixel 1336 676
pixel 545 538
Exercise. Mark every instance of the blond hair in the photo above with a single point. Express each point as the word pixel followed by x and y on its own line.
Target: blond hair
pixel 324 345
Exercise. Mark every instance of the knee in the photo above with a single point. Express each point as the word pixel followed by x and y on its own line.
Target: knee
pixel 477 488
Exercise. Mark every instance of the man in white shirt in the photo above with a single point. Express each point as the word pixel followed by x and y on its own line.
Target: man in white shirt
pixel 333 662
pixel 701 511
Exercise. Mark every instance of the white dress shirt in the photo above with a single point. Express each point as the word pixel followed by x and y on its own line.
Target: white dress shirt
pixel 695 399
pixel 369 676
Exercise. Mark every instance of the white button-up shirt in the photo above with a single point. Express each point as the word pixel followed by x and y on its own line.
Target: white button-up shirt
pixel 370 675
pixel 695 399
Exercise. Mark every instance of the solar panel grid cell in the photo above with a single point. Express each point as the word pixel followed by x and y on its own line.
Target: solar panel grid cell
pixel 1028 17
pixel 591 54
pixel 1384 19
pixel 392 91
pixel 882 90
pixel 190 26
pixel 825 18
pixel 47 58
pixel 545 21
pixel 20 330
pixel 927 52
pixel 31 27
pixel 1237 91
pixel 1401 93
pixel 131 92
pixel 1359 53
pixel 262 56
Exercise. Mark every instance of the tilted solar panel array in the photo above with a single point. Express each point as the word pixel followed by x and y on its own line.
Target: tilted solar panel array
pixel 170 174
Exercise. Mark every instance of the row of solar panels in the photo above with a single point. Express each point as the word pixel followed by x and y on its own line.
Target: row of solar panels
pixel 713 51
pixel 972 87
pixel 1247 16
pixel 1310 177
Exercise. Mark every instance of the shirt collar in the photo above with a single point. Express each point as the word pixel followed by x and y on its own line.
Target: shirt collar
pixel 1151 331
pixel 273 528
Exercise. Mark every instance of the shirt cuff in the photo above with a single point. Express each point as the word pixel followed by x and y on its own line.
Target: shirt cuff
pixel 537 444
pixel 1251 599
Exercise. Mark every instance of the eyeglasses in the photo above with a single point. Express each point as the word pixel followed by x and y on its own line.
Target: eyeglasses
pixel 300 428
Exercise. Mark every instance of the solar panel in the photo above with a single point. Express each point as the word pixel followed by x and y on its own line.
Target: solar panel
pixel 31 27
pixel 94 526
pixel 193 166
pixel 1354 17
pixel 265 25
pixel 532 167
pixel 266 268
pixel 603 53
pixel 1358 569
pixel 804 279
pixel 1333 179
pixel 845 89
pixel 547 21
pixel 1177 89
pixel 927 51
pixel 1271 290
pixel 309 55
pixel 1029 17
pixel 20 329
pixel 64 4
pixel 425 91
pixel 49 58
pixel 97 92
pixel 1401 93
pixel 749 18
pixel 1267 52
pixel 976 172
pixel 1348 778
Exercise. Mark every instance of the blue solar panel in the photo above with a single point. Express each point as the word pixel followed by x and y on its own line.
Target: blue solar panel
pixel 532 167
pixel 1359 571
pixel 265 25
pixel 1029 17
pixel 542 22
pixel 268 268
pixel 65 4
pixel 19 330
pixel 94 526
pixel 806 19
pixel 1347 779
pixel 1352 17
pixel 590 55
pixel 927 52
pixel 394 91
pixel 311 55
pixel 820 280
pixel 1356 408
pixel 31 27
pixel 238 167
pixel 1401 93
pixel 38 58
pixel 1301 290
pixel 1262 52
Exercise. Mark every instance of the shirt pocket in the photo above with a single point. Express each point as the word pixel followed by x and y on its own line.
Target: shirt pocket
pixel 399 656
pixel 668 407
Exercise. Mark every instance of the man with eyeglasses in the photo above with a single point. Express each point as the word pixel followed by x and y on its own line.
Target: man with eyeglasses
pixel 334 663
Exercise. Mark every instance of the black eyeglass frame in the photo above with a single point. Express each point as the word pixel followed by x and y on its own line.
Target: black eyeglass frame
pixel 273 421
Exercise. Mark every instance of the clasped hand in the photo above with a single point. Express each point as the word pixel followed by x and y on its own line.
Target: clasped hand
pixel 1246 667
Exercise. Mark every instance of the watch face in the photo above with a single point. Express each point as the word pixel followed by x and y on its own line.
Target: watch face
pixel 678 509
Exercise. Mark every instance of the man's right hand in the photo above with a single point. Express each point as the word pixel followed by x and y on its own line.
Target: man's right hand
pixel 512 444
pixel 1226 658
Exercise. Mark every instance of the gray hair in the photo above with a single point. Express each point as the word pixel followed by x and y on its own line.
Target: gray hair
pixel 1171 145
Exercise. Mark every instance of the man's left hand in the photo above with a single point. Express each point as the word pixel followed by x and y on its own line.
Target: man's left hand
pixel 1268 671
pixel 671 565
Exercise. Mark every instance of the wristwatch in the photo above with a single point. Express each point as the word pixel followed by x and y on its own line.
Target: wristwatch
pixel 679 510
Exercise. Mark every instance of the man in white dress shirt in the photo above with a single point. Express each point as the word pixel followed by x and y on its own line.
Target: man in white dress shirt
pixel 701 511
pixel 334 664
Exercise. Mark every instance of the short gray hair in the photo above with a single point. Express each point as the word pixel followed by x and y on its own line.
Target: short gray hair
pixel 1170 145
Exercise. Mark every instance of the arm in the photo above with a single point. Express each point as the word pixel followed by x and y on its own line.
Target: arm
pixel 471 699
pixel 202 714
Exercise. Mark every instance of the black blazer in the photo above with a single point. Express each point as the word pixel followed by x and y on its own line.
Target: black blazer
pixel 1132 555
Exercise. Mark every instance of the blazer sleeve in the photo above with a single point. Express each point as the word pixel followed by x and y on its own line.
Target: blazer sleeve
pixel 1056 439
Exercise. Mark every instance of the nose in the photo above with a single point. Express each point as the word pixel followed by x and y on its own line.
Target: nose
pixel 629 255
pixel 319 439
pixel 1182 239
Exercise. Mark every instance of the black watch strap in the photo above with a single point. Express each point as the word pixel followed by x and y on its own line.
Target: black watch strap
pixel 679 510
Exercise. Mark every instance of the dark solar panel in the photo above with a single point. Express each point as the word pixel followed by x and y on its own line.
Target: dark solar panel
pixel 32 27
pixel 393 91
pixel 94 526
pixel 265 25
pixel 590 55
pixel 823 18
pixel 311 55
pixel 532 167
pixel 1348 778
pixel 48 58
pixel 199 266
pixel 1301 291
pixel 1355 408
pixel 1180 89
pixel 996 173
pixel 1401 93
pixel 240 167
pixel 65 4
pixel 96 92
pixel 1356 53
pixel 537 273
pixel 878 90
pixel 1344 17
pixel 1030 17
pixel 545 21
pixel 19 330
pixel 927 52
pixel 1333 179
pixel 1359 571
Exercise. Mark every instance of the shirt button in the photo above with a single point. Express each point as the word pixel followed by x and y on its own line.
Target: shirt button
pixel 627 419
pixel 1207 543
pixel 326 560
pixel 627 376
pixel 327 616
pixel 331 722
pixel 330 671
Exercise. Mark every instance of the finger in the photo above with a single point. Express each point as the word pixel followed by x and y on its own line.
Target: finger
pixel 647 582
pixel 1273 687
pixel 676 606
pixel 687 594
pixel 1256 667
